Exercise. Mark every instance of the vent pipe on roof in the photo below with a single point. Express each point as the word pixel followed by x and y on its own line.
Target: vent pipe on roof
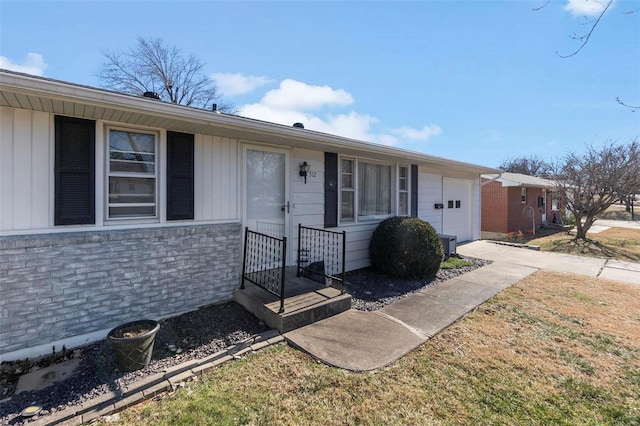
pixel 298 125
pixel 151 95
pixel 214 108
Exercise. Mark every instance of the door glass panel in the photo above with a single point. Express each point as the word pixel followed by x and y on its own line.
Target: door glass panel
pixel 266 201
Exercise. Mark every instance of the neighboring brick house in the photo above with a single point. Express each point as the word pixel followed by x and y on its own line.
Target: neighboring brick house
pixel 509 201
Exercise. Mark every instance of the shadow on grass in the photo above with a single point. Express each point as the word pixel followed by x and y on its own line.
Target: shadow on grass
pixel 588 247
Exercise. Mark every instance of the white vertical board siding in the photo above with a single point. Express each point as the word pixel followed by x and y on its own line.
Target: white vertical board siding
pixel 216 177
pixel 430 193
pixel 25 169
pixel 307 200
pixel 307 208
pixel 476 218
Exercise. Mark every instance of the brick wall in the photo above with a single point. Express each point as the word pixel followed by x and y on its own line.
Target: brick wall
pixel 519 221
pixel 494 208
pixel 57 286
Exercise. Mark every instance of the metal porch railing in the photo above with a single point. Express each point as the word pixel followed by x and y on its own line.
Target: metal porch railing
pixel 264 263
pixel 321 254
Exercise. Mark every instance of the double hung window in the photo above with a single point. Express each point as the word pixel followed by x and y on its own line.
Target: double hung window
pixel 368 192
pixel 403 191
pixel 132 174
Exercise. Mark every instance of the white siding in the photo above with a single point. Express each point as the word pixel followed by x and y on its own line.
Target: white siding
pixel 27 156
pixel 26 170
pixel 216 178
pixel 429 194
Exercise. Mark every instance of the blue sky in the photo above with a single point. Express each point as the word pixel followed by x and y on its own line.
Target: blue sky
pixel 476 81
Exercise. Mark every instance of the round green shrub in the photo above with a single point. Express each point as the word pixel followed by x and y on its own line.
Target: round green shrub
pixel 406 247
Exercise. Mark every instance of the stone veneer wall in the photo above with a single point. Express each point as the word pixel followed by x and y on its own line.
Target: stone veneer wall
pixel 57 286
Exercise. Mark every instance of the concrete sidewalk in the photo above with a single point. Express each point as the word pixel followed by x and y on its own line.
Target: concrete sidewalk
pixel 362 341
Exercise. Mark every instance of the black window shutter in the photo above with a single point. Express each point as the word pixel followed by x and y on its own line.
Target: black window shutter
pixel 180 160
pixel 74 171
pixel 414 190
pixel 330 190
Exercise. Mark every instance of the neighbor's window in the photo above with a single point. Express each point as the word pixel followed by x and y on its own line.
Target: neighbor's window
pixel 523 195
pixel 555 201
pixel 403 191
pixel 132 174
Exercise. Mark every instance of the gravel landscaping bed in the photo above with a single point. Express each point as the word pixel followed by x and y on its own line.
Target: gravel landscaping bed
pixel 189 336
pixel 193 335
pixel 371 291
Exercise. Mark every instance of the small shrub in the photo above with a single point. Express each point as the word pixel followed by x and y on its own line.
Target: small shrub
pixel 405 247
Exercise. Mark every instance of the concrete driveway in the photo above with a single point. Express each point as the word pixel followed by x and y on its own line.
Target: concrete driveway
pixel 591 266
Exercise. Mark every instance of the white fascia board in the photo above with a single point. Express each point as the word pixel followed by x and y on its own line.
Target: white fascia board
pixel 53 89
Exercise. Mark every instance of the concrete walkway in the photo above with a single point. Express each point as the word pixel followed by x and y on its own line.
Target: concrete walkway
pixel 362 341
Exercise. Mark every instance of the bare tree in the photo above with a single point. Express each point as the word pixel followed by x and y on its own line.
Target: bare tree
pixel 589 184
pixel 532 166
pixel 153 66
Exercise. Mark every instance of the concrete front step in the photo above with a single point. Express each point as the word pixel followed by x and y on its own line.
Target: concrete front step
pixel 305 302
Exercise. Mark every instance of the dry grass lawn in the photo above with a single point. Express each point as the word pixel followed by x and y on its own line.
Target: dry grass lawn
pixel 552 349
pixel 615 243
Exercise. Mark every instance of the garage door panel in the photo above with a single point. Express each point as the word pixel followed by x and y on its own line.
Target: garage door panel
pixel 457 208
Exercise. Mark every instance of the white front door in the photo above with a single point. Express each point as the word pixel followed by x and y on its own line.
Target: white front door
pixel 456 218
pixel 543 207
pixel 266 201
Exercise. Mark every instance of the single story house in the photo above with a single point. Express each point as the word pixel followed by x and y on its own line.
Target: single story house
pixel 116 207
pixel 515 202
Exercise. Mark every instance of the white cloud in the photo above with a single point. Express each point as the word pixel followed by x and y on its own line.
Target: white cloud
pixel 291 102
pixel 237 83
pixel 585 7
pixel 293 94
pixel 418 134
pixel 33 63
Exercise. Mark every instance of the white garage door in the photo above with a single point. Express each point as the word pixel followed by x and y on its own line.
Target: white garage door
pixel 456 219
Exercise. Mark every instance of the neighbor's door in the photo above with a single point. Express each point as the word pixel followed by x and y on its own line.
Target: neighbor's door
pixel 543 207
pixel 266 203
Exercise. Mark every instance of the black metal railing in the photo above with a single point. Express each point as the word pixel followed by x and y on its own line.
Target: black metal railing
pixel 274 229
pixel 264 263
pixel 321 255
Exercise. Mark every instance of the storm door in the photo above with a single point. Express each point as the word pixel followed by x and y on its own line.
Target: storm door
pixel 266 204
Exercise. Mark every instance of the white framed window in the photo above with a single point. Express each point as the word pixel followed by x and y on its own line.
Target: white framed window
pixel 368 192
pixel 523 195
pixel 403 190
pixel 374 190
pixel 132 169
pixel 555 201
pixel 347 190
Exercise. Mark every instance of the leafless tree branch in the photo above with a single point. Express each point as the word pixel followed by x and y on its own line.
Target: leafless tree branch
pixel 585 38
pixel 621 102
pixel 153 66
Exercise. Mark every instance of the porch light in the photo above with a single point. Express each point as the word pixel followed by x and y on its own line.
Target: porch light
pixel 304 169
